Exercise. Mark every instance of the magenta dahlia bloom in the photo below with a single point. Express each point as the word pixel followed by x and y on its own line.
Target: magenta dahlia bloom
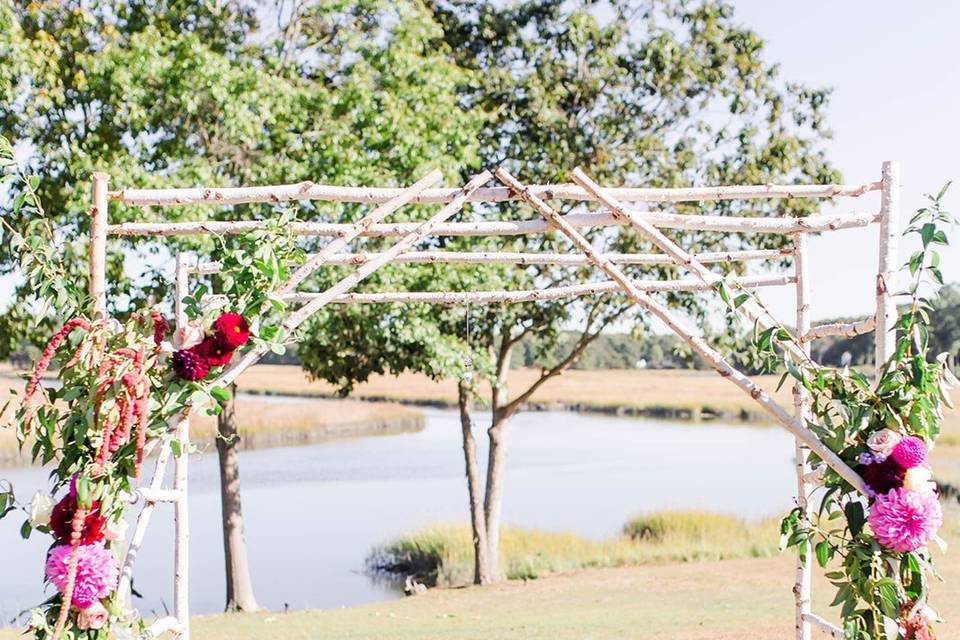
pixel 910 452
pixel 904 520
pixel 97 572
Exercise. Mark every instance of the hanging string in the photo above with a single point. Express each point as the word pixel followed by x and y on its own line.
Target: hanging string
pixel 468 357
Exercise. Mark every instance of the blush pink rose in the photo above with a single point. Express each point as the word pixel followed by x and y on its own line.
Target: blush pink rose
pixel 188 336
pixel 93 617
pixel 884 441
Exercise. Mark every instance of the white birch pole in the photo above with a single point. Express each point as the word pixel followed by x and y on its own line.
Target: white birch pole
pixel 784 226
pixel 181 580
pixel 98 244
pixel 723 367
pixel 801 402
pixel 749 309
pixel 341 243
pixel 295 319
pixel 845 329
pixel 510 297
pixel 525 258
pixel 886 337
pixel 375 195
pixel 140 528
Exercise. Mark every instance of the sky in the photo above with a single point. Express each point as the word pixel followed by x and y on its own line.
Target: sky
pixel 895 72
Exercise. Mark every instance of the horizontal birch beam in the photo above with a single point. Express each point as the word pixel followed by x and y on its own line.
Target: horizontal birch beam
pixel 376 195
pixel 844 329
pixel 510 297
pixel 750 309
pixel 417 234
pixel 734 224
pixel 561 259
pixel 695 340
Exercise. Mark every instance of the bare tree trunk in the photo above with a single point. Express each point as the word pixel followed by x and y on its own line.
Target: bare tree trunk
pixel 239 586
pixel 481 569
pixel 497 456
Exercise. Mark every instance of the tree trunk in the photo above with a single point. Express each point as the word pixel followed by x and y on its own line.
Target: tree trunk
pixel 496 462
pixel 497 458
pixel 481 567
pixel 239 586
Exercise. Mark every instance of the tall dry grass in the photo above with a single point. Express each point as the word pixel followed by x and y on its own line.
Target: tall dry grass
pixel 443 554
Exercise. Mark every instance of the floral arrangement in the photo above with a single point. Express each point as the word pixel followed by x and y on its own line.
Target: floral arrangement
pixel 122 386
pixel 876 547
pixel 197 350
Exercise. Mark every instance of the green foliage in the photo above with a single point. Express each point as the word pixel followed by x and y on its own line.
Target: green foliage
pixel 371 92
pixel 877 589
pixel 632 97
pixel 169 93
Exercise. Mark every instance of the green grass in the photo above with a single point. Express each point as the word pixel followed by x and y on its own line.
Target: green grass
pixel 443 555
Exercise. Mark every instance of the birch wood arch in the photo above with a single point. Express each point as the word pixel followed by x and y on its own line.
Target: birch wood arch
pixel 614 206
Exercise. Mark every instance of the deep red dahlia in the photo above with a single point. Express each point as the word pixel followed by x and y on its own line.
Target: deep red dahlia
pixel 61 521
pixel 189 365
pixel 212 352
pixel 884 476
pixel 160 328
pixel 231 330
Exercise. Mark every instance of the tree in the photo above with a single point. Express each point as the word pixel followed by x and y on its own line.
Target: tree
pixel 170 93
pixel 660 93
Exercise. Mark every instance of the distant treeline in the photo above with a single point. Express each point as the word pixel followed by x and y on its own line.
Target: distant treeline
pixel 623 351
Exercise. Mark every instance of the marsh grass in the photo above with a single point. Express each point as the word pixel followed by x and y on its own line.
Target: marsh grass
pixel 442 555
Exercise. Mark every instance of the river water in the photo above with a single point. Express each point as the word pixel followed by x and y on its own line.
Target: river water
pixel 314 512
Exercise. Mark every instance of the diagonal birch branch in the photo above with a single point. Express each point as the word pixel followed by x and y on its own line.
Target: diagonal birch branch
pixel 294 320
pixel 343 240
pixel 696 341
pixel 749 309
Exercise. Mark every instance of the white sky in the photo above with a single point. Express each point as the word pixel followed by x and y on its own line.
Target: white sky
pixel 895 71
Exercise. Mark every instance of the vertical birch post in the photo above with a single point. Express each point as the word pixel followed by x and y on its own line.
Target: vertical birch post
pixel 181 582
pixel 801 403
pixel 886 338
pixel 98 244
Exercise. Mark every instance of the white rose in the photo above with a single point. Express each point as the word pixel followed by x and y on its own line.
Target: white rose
pixel 882 442
pixel 116 530
pixel 189 335
pixel 40 507
pixel 114 326
pixel 918 479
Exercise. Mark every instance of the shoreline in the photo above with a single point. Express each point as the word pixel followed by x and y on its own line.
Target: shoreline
pixel 693 413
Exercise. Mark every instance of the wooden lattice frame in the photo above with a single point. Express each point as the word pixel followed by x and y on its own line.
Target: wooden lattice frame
pixel 389 200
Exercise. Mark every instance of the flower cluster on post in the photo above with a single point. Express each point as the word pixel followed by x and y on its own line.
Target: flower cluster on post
pixel 123 385
pixel 875 547
pixel 197 350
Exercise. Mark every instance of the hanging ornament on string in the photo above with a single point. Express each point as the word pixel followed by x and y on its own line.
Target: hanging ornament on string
pixel 467 375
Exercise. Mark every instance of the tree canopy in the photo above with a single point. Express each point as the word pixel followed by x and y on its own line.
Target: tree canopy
pixel 658 93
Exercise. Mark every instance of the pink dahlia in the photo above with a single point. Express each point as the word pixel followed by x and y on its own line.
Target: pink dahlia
pixel 910 452
pixel 904 520
pixel 97 572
